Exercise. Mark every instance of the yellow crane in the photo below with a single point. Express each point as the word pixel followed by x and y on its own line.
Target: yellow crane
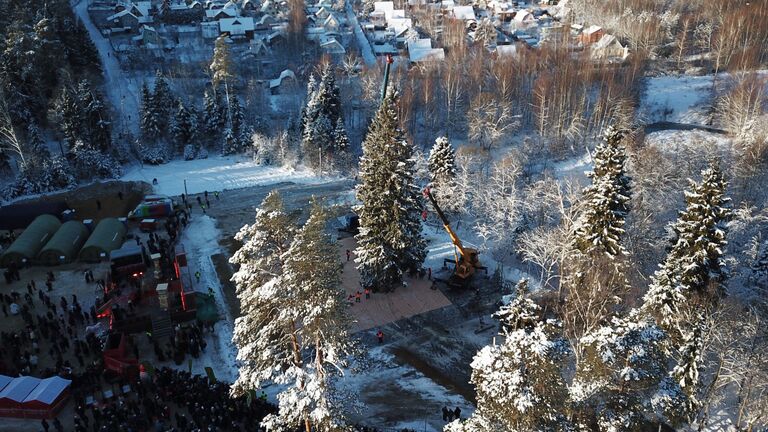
pixel 465 258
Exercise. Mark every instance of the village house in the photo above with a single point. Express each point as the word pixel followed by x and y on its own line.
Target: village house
pixel 609 48
pixel 237 29
pixel 591 35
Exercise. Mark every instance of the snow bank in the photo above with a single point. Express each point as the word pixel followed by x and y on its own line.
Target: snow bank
pixel 217 173
pixel 682 99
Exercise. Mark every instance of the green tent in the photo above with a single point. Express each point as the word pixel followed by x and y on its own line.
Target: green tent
pixel 29 243
pixel 108 236
pixel 64 245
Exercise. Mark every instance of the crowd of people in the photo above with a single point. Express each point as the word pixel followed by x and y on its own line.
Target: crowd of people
pixel 52 328
pixel 168 400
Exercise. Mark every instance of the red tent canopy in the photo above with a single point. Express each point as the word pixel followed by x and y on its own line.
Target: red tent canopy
pixel 29 397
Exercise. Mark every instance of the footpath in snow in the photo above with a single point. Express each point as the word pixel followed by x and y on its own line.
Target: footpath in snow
pixel 217 173
pixel 200 240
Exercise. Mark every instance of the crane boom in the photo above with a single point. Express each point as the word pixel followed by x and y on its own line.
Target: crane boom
pixel 447 225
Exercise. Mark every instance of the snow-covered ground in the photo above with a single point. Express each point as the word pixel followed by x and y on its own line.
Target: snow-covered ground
pixel 217 173
pixel 118 88
pixel 679 99
pixel 398 396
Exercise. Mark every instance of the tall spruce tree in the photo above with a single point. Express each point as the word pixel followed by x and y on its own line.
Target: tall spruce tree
pixel 235 137
pixel 600 227
pixel 320 118
pixel 70 122
pixel 213 121
pixel 184 127
pixel 97 131
pixel 150 122
pixel 442 162
pixel 389 241
pixel 163 101
pixel 694 266
pixel 342 157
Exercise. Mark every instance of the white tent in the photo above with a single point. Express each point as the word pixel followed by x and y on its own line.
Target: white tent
pixel 18 389
pixel 4 380
pixel 48 390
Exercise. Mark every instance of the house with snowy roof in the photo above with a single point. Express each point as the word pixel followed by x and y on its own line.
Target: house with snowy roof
pixel 591 35
pixel 420 50
pixel 608 48
pixel 332 23
pixel 464 13
pixel 524 17
pixel 239 28
pixel 286 79
pixel 332 47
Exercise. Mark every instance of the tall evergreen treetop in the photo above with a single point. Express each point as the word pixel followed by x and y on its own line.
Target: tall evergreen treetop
pixel 389 241
pixel 601 226
pixel 442 161
pixel 694 265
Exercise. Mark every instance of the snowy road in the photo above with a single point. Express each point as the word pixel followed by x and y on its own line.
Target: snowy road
pixel 117 86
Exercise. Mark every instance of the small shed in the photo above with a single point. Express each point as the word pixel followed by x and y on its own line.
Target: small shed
pixel 65 243
pixel 31 241
pixel 106 237
pixel 47 398
pixel 16 391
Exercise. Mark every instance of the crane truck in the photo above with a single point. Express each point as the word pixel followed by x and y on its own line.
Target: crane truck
pixel 466 261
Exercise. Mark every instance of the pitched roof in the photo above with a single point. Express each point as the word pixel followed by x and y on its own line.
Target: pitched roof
pixel 48 390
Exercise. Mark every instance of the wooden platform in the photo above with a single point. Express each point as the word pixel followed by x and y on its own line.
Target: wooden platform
pixel 415 298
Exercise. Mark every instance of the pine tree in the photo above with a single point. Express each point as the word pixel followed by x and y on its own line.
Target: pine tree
pixel 686 372
pixel 600 227
pixel 213 122
pixel 442 161
pixel 342 158
pixel 389 241
pixel 300 306
pixel 622 376
pixel 235 138
pixel 97 133
pixel 694 266
pixel 518 383
pixel 70 122
pixel 162 101
pixel 150 121
pixel 184 127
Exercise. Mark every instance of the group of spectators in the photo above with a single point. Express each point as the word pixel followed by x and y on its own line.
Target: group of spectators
pixel 52 328
pixel 168 400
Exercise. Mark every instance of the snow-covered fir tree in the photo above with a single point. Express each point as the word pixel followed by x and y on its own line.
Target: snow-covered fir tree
pixel 295 330
pixel 184 127
pixel 70 122
pixel 96 126
pixel 163 101
pixel 690 363
pixel 600 227
pixel 235 136
pixel 389 242
pixel 694 266
pixel 150 121
pixel 320 119
pixel 519 384
pixel 342 157
pixel 442 161
pixel 622 379
pixel 442 173
pixel 213 121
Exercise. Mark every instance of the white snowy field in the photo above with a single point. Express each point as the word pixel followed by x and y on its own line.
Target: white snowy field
pixel 679 99
pixel 217 173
